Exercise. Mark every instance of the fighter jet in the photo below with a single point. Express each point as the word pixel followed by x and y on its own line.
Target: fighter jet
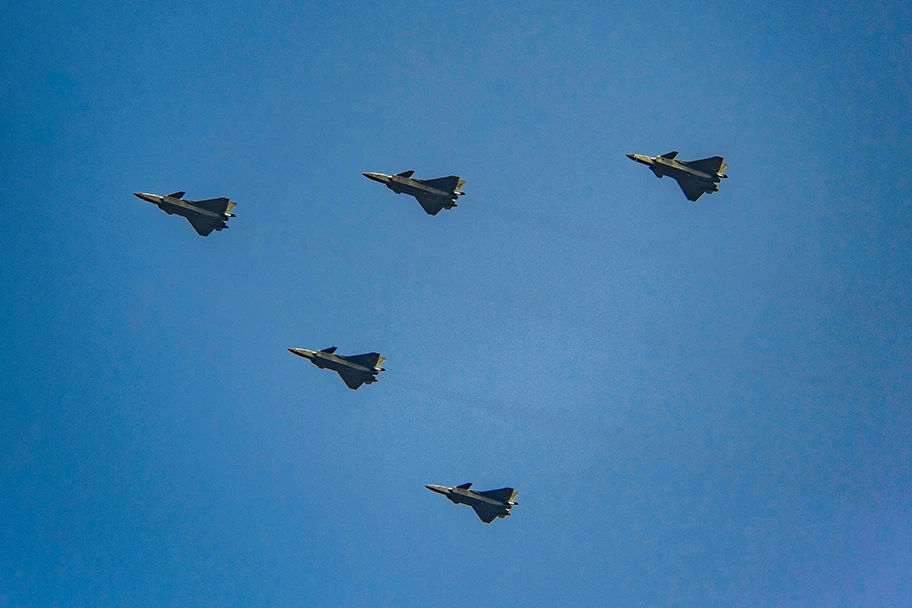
pixel 488 505
pixel 433 194
pixel 696 177
pixel 355 370
pixel 205 216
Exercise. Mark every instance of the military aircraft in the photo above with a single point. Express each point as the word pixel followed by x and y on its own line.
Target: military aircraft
pixel 696 177
pixel 433 194
pixel 355 370
pixel 205 216
pixel 488 505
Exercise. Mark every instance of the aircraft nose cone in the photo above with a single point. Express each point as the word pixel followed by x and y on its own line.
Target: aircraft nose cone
pixel 377 177
pixel 640 159
pixel 438 489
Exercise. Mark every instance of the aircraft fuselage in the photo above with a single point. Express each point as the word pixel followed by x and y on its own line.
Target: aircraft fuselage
pixel 337 363
pixel 674 169
pixel 400 184
pixel 179 206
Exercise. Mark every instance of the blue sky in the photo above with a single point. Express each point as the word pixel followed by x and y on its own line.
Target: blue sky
pixel 700 404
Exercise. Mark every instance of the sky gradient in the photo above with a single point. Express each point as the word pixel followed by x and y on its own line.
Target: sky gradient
pixel 699 404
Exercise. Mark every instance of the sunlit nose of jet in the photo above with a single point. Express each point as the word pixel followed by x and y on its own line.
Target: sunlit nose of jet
pixel 146 197
pixel 438 489
pixel 301 352
pixel 377 177
pixel 639 158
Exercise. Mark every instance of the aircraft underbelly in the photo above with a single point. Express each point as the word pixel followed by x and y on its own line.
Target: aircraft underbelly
pixel 349 369
pixel 185 209
pixel 690 175
pixel 425 192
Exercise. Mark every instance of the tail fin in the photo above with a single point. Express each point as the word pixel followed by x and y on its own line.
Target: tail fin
pixel 230 208
pixel 178 194
pixel 670 155
pixel 329 350
pixel 465 486
pixel 406 173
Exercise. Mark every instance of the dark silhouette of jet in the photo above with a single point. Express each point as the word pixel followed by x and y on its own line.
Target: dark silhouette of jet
pixel 355 370
pixel 696 177
pixel 433 194
pixel 488 505
pixel 205 216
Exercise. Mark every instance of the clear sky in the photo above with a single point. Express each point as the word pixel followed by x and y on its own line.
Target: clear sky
pixel 699 404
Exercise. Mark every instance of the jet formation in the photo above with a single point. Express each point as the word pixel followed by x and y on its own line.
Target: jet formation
pixel 205 216
pixel 432 194
pixel 355 370
pixel 488 505
pixel 696 177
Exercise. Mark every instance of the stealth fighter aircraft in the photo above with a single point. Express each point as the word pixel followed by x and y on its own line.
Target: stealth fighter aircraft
pixel 433 194
pixel 355 370
pixel 488 505
pixel 696 177
pixel 205 216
